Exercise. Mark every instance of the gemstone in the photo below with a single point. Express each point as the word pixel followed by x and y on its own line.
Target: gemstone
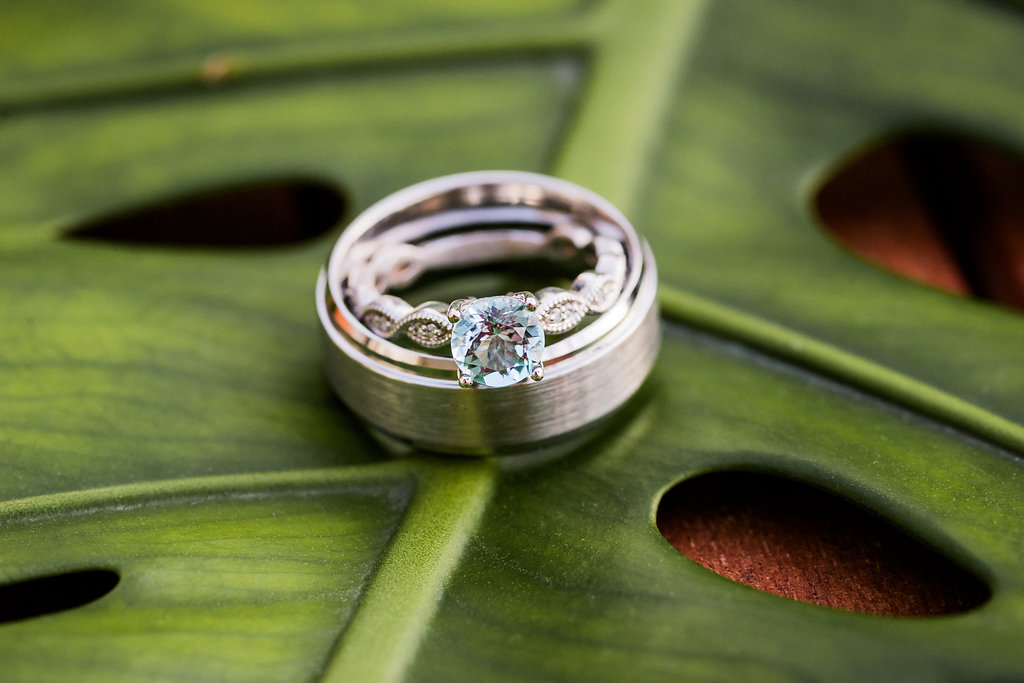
pixel 497 341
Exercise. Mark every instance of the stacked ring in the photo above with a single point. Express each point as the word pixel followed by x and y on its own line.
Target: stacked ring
pixel 519 370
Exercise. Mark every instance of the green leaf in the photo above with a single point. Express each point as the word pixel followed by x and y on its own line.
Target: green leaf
pixel 165 416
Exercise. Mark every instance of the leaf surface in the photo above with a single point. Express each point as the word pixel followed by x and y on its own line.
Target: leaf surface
pixel 163 413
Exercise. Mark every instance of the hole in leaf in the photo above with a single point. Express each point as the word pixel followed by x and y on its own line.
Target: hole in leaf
pixel 940 208
pixel 49 594
pixel 786 538
pixel 272 213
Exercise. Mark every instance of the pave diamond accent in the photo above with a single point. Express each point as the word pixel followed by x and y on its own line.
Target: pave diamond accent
pixel 560 310
pixel 498 341
pixel 427 325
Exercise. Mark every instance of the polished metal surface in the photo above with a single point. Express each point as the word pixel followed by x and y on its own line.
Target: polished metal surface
pixel 413 394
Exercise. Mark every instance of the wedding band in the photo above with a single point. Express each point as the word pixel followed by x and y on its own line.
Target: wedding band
pixel 498 374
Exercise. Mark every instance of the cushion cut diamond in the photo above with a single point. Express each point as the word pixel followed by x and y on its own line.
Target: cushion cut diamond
pixel 498 341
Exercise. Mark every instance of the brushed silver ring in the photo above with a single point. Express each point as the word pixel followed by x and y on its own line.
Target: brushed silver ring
pixel 413 395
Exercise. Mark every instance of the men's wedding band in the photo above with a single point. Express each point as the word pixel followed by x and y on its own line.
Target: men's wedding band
pixel 495 374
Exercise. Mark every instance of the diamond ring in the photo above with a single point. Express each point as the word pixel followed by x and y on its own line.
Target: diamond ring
pixel 406 368
pixel 496 341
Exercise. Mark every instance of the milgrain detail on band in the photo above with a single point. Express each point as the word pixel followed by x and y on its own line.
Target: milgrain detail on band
pixel 560 310
pixel 426 324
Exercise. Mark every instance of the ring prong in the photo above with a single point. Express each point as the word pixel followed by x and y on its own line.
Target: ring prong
pixel 455 310
pixel 528 298
pixel 538 373
pixel 465 381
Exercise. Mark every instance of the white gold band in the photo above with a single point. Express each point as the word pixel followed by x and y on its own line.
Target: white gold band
pixel 479 218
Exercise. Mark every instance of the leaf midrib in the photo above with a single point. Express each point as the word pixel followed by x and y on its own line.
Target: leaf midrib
pixel 600 153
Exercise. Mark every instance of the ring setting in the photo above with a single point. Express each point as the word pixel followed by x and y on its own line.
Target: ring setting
pixel 497 341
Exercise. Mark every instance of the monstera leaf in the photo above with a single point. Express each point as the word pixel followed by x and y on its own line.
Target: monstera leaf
pixel 184 499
